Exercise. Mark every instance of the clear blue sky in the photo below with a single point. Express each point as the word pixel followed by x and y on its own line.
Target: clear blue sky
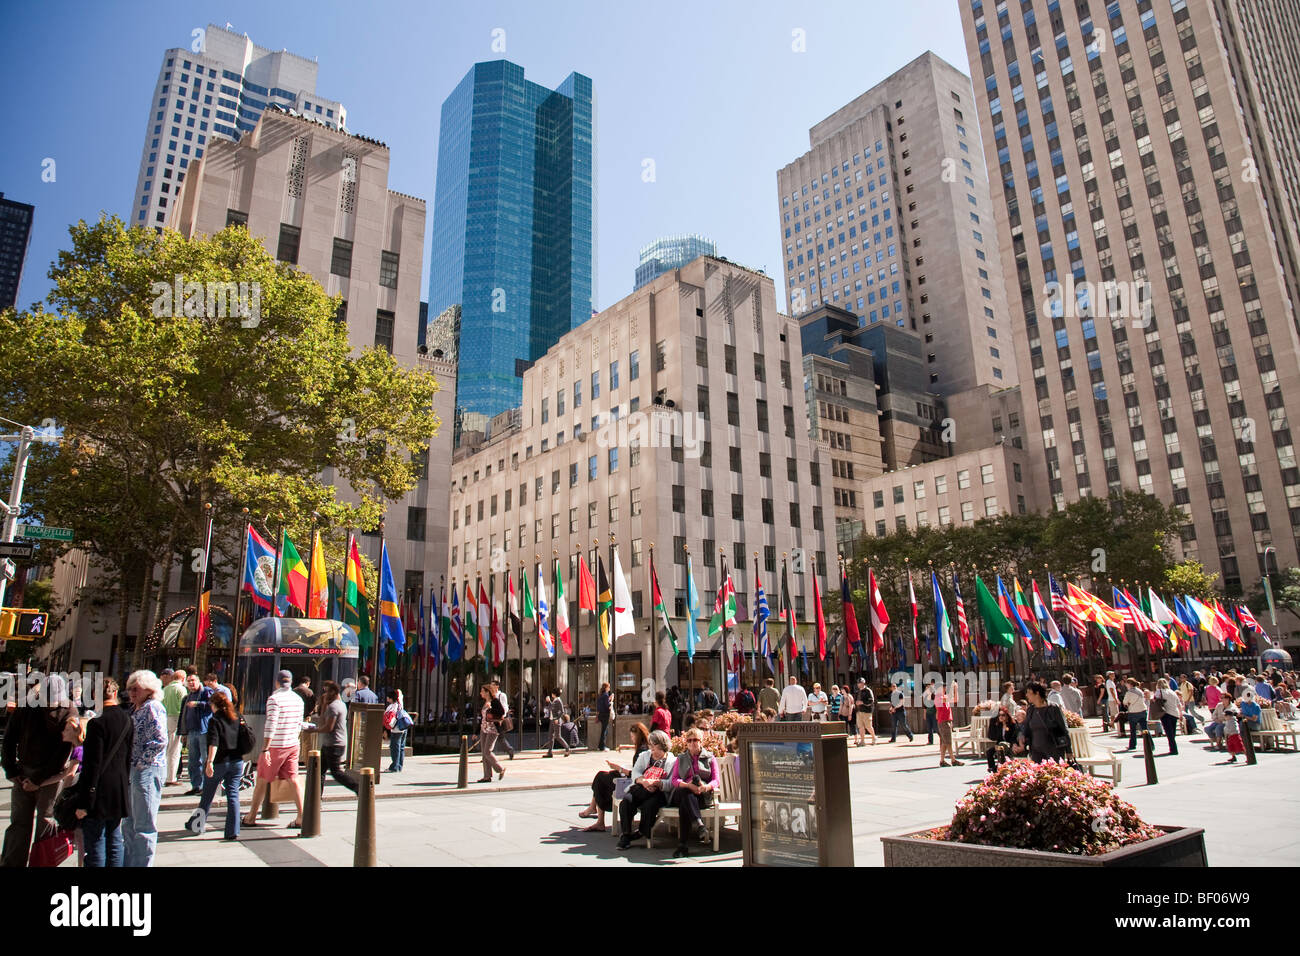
pixel 712 92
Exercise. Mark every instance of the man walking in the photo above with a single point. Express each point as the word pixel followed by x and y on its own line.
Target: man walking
pixel 504 730
pixel 769 698
pixel 279 758
pixel 333 726
pixel 555 711
pixel 817 703
pixel 195 715
pixel 866 712
pixel 174 691
pixel 898 708
pixel 794 701
pixel 1071 695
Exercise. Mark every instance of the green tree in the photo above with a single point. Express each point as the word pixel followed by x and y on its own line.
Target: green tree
pixel 1189 577
pixel 166 406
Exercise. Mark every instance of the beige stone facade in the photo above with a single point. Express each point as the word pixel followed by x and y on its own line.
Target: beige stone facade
pixel 1128 168
pixel 701 353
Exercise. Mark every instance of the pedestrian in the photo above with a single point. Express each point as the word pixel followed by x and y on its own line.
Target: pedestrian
pixel 817 703
pixel 195 714
pixel 1114 707
pixel 396 723
pixel 555 708
pixel 943 714
pixel 223 763
pixel 662 718
pixel 1167 704
pixel 1232 730
pixel 793 702
pixel 898 709
pixel 492 715
pixel 931 717
pixel 1048 732
pixel 174 693
pixel 745 701
pixel 1134 710
pixel 602 785
pixel 364 694
pixel 1002 734
pixel 148 759
pixel 866 712
pixel 603 702
pixel 1054 695
pixel 694 779
pixel 280 744
pixel 333 726
pixel 708 698
pixel 304 691
pixel 34 756
pixel 845 711
pixel 507 724
pixel 768 696
pixel 1008 696
pixel 1071 695
pixel 103 795
pixel 651 780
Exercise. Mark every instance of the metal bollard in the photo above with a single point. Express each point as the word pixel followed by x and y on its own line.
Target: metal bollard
pixel 462 778
pixel 270 809
pixel 363 853
pixel 1149 755
pixel 312 799
pixel 1247 742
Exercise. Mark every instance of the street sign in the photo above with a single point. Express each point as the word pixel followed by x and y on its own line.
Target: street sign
pixel 22 550
pixel 22 623
pixel 44 532
pixel 10 569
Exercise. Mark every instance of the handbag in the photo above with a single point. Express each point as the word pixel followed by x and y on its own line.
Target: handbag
pixel 246 740
pixel 52 850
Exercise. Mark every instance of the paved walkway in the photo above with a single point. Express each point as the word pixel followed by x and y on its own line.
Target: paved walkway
pixel 530 818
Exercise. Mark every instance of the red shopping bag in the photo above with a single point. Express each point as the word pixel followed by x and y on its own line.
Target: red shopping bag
pixel 53 849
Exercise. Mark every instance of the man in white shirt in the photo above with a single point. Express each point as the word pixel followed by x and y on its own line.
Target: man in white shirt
pixel 1054 695
pixel 279 759
pixel 505 706
pixel 817 703
pixel 1112 703
pixel 1072 696
pixel 794 701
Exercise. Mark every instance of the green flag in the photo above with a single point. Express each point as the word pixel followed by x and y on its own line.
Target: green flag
pixel 997 629
pixel 529 611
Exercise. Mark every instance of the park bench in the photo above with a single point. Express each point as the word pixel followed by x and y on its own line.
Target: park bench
pixel 726 803
pixel 1272 732
pixel 1089 760
pixel 972 739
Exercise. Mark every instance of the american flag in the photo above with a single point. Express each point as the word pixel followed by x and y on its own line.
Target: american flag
pixel 1059 602
pixel 962 627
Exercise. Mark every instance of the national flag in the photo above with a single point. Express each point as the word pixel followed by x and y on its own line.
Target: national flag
pixel 1188 619
pixel 724 606
pixel 544 615
pixel 879 616
pixel 692 612
pixel 998 629
pixel 562 612
pixel 1129 606
pixel 356 605
pixel 1094 609
pixel 422 627
pixel 761 613
pixel 471 621
pixel 1078 626
pixel 586 587
pixel 1227 627
pixel 623 620
pixel 498 638
pixel 963 627
pixel 390 621
pixel 512 607
pixel 941 623
pixel 436 615
pixel 485 615
pixel 850 615
pixel 659 605
pixel 1007 605
pixel 1248 620
pixel 1204 616
pixel 293 577
pixel 1165 617
pixel 1023 610
pixel 819 616
pixel 787 612
pixel 259 568
pixel 604 602
pixel 911 592
pixel 318 589
pixel 1051 633
pixel 204 624
pixel 530 609
pixel 456 637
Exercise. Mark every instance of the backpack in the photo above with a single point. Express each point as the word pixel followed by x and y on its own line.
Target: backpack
pixel 709 699
pixel 402 721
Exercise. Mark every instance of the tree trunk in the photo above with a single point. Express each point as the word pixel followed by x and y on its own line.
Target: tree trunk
pixel 123 618
pixel 147 620
pixel 146 595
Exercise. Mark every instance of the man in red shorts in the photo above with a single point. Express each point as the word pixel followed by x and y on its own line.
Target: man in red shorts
pixel 279 758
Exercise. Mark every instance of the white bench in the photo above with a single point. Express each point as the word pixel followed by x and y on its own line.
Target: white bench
pixel 1272 732
pixel 972 739
pixel 1089 760
pixel 726 803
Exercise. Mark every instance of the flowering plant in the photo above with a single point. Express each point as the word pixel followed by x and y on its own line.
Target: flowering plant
pixel 725 721
pixel 1073 720
pixel 714 742
pixel 1047 806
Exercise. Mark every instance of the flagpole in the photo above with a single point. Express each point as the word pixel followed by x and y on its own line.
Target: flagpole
pixel 311 565
pixel 726 669
pixel 200 655
pixel 654 625
pixel 577 633
pixel 537 651
pixel 239 596
pixel 275 578
pixel 690 658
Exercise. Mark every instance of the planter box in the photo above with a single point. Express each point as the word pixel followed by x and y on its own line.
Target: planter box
pixel 1180 846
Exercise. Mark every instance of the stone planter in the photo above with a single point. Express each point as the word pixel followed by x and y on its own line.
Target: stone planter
pixel 1180 846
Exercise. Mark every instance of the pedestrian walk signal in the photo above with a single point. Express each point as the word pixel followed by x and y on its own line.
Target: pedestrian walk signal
pixel 22 624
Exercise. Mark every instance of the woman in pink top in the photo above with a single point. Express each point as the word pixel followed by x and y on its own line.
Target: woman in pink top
pixel 1212 693
pixel 662 718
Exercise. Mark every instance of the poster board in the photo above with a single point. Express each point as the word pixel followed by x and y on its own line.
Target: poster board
pixel 366 737
pixel 794 794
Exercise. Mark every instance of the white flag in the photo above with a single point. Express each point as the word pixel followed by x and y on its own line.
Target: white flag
pixel 623 623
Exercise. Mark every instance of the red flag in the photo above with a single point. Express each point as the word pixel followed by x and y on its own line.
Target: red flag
pixel 586 587
pixel 850 615
pixel 916 644
pixel 821 620
pixel 879 617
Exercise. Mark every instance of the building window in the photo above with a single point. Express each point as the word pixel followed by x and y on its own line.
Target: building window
pixel 738 507
pixel 388 269
pixel 341 260
pixel 768 511
pixel 963 479
pixel 661 356
pixel 613 509
pixel 416 520
pixel 595 385
pixel 634 366
pixel 287 249
pixel 679 557
pixel 384 330
pixel 593 468
pixel 233 216
pixel 636 502
pixel 591 514
pixel 986 474
pixel 794 515
pixel 573 521
pixel 613 375
pixel 636 553
pixel 991 507
pixel 679 499
pixel 769 558
pixel 613 460
pixel 738 556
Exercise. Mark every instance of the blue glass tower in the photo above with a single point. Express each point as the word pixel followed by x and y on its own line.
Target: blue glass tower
pixel 512 224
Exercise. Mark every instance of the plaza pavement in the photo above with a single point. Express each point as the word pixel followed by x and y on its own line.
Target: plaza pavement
pixel 530 817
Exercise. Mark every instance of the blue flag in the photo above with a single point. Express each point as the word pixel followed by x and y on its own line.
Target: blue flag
pixel 761 613
pixel 390 617
pixel 435 628
pixel 456 642
pixel 692 612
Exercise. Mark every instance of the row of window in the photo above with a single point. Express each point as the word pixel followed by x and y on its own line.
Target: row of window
pixel 945 515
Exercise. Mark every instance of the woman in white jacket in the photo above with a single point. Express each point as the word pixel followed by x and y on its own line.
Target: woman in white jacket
pixel 1135 705
pixel 649 791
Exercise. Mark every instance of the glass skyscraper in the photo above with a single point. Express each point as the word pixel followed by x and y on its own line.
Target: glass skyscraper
pixel 512 224
pixel 671 252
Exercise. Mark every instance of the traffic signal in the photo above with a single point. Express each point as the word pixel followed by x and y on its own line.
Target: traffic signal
pixel 23 623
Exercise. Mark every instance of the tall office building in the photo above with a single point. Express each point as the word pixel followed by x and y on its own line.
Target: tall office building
pixel 216 93
pixel 1146 207
pixel 670 252
pixel 15 236
pixel 888 216
pixel 513 222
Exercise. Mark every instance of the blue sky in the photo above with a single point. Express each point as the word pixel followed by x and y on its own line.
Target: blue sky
pixel 713 93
